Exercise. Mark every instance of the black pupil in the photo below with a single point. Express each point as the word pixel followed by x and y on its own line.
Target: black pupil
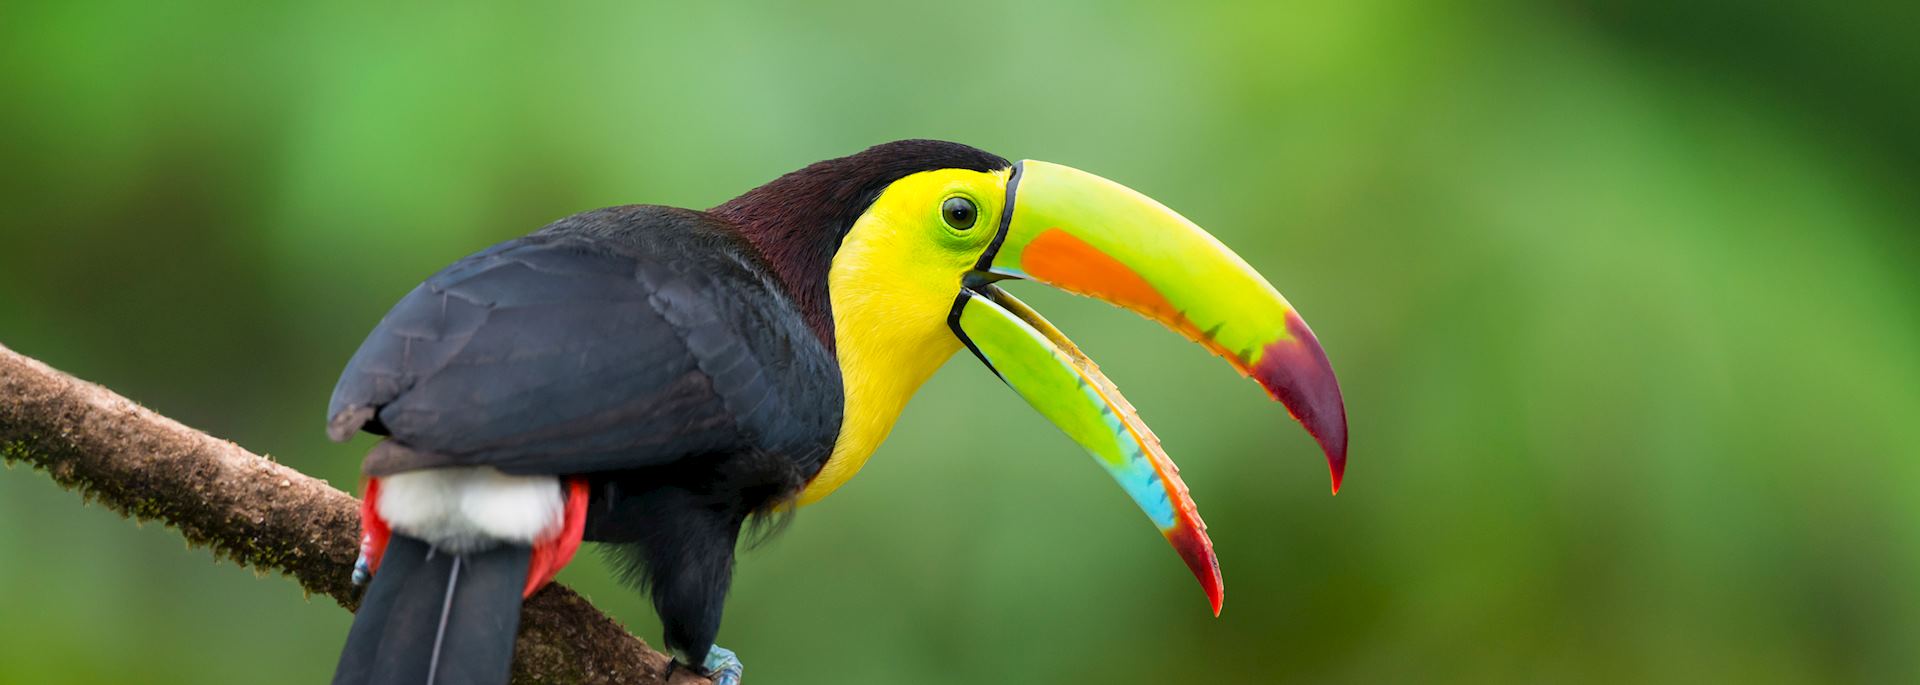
pixel 959 212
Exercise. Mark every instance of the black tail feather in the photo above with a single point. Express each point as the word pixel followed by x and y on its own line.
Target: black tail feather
pixel 431 618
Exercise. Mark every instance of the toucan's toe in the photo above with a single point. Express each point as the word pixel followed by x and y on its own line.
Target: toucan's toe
pixel 723 666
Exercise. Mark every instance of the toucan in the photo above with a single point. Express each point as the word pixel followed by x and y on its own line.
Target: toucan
pixel 652 378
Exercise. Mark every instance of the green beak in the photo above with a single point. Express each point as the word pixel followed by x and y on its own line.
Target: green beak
pixel 1085 234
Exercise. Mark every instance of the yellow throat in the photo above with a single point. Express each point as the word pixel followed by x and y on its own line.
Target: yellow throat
pixel 891 292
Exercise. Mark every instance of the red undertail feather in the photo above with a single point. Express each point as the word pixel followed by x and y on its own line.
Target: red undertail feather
pixel 552 554
pixel 374 531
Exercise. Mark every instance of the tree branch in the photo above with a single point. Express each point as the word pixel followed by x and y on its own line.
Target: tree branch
pixel 264 515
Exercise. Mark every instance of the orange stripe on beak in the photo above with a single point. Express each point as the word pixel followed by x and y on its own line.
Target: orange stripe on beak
pixel 1060 258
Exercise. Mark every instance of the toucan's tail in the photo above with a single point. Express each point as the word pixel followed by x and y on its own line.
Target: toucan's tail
pixel 431 618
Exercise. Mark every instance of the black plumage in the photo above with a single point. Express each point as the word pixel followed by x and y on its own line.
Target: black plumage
pixel 614 339
pixel 646 346
pixel 436 618
pixel 680 360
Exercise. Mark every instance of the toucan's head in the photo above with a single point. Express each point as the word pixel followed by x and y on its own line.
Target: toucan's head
pixel 893 254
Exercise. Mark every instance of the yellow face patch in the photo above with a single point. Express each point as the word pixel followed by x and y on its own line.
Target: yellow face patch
pixel 892 285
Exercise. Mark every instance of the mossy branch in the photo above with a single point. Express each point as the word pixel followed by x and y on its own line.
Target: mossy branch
pixel 264 515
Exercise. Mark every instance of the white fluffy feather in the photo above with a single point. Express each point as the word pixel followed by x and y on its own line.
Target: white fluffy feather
pixel 465 509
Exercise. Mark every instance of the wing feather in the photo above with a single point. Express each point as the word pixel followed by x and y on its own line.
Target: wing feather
pixel 567 353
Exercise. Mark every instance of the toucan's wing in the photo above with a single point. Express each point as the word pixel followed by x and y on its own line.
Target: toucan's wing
pixel 629 342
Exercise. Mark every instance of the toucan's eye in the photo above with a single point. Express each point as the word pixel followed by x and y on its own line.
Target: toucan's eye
pixel 959 213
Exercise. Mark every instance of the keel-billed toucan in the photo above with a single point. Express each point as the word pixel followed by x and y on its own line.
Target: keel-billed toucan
pixel 650 377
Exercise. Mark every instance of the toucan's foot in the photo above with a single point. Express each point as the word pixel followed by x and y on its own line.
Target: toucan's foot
pixel 723 666
pixel 362 570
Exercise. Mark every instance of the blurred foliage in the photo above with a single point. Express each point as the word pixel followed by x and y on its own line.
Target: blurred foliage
pixel 1623 297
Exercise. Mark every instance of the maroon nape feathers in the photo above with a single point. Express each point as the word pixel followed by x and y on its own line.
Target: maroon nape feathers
pixel 796 221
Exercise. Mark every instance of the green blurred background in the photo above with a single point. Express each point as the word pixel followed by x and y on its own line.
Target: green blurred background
pixel 1622 295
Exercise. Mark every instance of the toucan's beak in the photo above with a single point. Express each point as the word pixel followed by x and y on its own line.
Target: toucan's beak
pixel 1088 235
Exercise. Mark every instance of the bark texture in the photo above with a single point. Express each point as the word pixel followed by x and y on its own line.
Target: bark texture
pixel 263 515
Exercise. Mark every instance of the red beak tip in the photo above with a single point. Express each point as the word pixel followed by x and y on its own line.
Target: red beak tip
pixel 1190 540
pixel 1295 371
pixel 1216 592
